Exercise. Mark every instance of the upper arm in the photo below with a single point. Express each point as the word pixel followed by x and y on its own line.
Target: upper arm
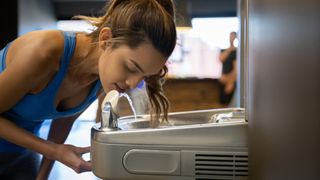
pixel 222 55
pixel 30 59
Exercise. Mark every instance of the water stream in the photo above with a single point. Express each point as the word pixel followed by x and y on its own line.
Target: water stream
pixel 130 103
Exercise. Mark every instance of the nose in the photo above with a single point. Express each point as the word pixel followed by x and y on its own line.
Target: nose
pixel 133 81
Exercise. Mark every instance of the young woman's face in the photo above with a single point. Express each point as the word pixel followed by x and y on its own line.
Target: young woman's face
pixel 123 68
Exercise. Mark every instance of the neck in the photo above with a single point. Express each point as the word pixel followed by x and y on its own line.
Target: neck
pixel 84 64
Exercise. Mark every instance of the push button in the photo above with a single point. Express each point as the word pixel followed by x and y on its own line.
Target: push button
pixel 141 161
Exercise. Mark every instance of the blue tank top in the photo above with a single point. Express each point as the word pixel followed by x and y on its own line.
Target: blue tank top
pixel 33 109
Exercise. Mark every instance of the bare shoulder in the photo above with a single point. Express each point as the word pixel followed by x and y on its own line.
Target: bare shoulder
pixel 37 45
pixel 31 61
pixel 38 51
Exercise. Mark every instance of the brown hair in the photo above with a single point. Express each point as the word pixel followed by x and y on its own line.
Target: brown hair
pixel 133 22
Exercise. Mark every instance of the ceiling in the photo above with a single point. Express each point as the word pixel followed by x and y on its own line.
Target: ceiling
pixel 65 9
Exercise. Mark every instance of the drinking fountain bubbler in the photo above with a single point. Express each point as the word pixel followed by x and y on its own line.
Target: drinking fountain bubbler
pixel 109 111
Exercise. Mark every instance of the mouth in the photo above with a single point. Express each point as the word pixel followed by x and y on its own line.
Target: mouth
pixel 119 89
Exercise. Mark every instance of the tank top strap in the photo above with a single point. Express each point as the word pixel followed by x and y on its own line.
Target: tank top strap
pixel 68 50
pixel 3 54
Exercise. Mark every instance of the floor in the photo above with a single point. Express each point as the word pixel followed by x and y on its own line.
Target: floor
pixel 79 136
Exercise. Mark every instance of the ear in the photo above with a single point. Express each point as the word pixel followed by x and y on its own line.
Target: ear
pixel 104 35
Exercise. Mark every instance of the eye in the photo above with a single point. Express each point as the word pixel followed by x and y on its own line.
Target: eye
pixel 131 70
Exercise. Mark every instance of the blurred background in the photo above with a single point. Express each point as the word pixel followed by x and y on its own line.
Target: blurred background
pixel 195 67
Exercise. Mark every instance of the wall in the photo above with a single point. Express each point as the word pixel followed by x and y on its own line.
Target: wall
pixel 284 90
pixel 35 15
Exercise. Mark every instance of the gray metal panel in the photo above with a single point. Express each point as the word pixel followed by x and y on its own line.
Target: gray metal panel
pixel 107 160
pixel 242 53
pixel 283 90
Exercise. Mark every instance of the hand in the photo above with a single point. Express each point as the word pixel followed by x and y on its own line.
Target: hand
pixel 229 87
pixel 228 80
pixel 232 48
pixel 71 156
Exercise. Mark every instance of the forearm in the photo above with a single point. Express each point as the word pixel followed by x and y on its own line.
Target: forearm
pixel 59 131
pixel 224 55
pixel 16 135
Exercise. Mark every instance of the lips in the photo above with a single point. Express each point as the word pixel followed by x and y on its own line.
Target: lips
pixel 119 89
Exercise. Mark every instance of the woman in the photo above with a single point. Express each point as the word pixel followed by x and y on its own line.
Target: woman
pixel 57 75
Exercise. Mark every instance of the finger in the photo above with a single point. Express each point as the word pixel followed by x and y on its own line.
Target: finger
pixel 83 150
pixel 85 166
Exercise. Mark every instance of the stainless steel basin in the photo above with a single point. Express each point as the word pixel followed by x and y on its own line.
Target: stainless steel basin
pixel 143 122
pixel 182 119
pixel 138 151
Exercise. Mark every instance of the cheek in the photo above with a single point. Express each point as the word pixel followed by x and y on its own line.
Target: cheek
pixel 110 72
pixel 103 75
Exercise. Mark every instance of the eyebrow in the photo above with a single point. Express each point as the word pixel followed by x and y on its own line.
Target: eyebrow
pixel 137 65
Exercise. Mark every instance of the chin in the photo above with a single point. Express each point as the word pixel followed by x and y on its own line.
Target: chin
pixel 107 88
